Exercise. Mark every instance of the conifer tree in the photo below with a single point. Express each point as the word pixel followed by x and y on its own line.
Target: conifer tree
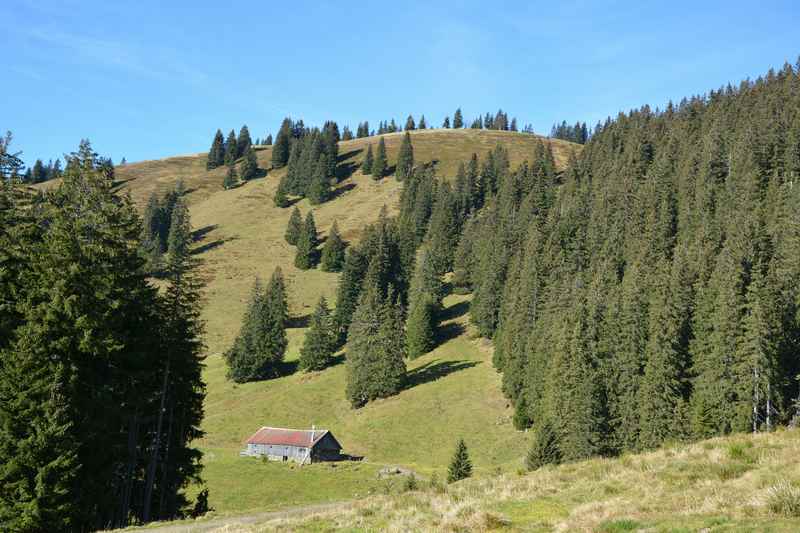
pixel 410 123
pixel 259 348
pixel 231 149
pixel 295 227
pixel 349 290
pixel 380 165
pixel 319 344
pixel 276 297
pixel 180 236
pixel 231 178
pixel 216 155
pixel 405 158
pixel 250 165
pixel 281 199
pixel 306 256
pixel 544 448
pixel 268 140
pixel 458 120
pixel 319 190
pixel 460 465
pixel 280 150
pixel 333 252
pixel 150 239
pixel 347 134
pixel 375 367
pixel 574 397
pixel 244 142
pixel 425 296
pixel 446 123
pixel 664 389
pixel 366 165
pixel 422 124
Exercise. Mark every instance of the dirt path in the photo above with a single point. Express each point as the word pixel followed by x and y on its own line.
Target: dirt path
pixel 243 520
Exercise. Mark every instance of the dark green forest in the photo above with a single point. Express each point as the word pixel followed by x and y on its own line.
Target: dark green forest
pixel 100 386
pixel 650 292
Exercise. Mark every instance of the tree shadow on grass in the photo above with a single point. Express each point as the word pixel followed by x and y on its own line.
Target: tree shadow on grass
pixel 348 155
pixel 345 170
pixel 200 233
pixel 454 311
pixel 337 192
pixel 435 370
pixel 211 245
pixel 286 368
pixel 448 332
pixel 301 321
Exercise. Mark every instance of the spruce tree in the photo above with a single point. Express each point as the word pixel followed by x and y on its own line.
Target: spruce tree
pixel 281 199
pixel 259 348
pixel 319 344
pixel 410 123
pixel 366 165
pixel 319 190
pixel 422 124
pixel 458 120
pixel 380 165
pixel 216 155
pixel 268 140
pixel 446 123
pixel 295 227
pixel 231 149
pixel 375 367
pixel 425 296
pixel 180 236
pixel 276 297
pixel 349 290
pixel 460 465
pixel 544 448
pixel 250 165
pixel 333 251
pixel 243 142
pixel 306 256
pixel 280 150
pixel 231 178
pixel 405 158
pixel 574 395
pixel 150 237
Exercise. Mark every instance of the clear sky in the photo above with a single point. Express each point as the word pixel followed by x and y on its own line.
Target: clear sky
pixel 148 79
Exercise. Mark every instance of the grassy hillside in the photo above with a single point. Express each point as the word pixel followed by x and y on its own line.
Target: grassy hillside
pixel 446 147
pixel 454 391
pixel 739 483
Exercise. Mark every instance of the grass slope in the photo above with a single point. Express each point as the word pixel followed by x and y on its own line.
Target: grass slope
pixel 454 390
pixel 739 483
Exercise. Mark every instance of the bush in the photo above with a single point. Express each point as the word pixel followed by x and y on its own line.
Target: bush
pixel 410 483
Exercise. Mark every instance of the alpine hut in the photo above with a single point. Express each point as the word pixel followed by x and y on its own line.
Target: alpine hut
pixel 299 445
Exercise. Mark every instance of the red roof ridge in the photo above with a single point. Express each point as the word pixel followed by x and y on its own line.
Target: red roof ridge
pixel 287 437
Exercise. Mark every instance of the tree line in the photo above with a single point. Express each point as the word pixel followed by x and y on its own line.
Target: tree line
pixel 648 293
pixel 578 133
pixel 99 370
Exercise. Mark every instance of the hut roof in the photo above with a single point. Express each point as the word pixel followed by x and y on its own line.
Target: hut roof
pixel 287 437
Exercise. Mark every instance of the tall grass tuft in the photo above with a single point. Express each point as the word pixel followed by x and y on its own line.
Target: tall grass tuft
pixel 783 499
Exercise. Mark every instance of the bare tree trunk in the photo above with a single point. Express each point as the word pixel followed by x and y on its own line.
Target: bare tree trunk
pixel 165 463
pixel 151 468
pixel 755 399
pixel 133 430
pixel 769 408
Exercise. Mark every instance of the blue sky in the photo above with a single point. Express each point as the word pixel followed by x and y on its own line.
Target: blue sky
pixel 149 79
